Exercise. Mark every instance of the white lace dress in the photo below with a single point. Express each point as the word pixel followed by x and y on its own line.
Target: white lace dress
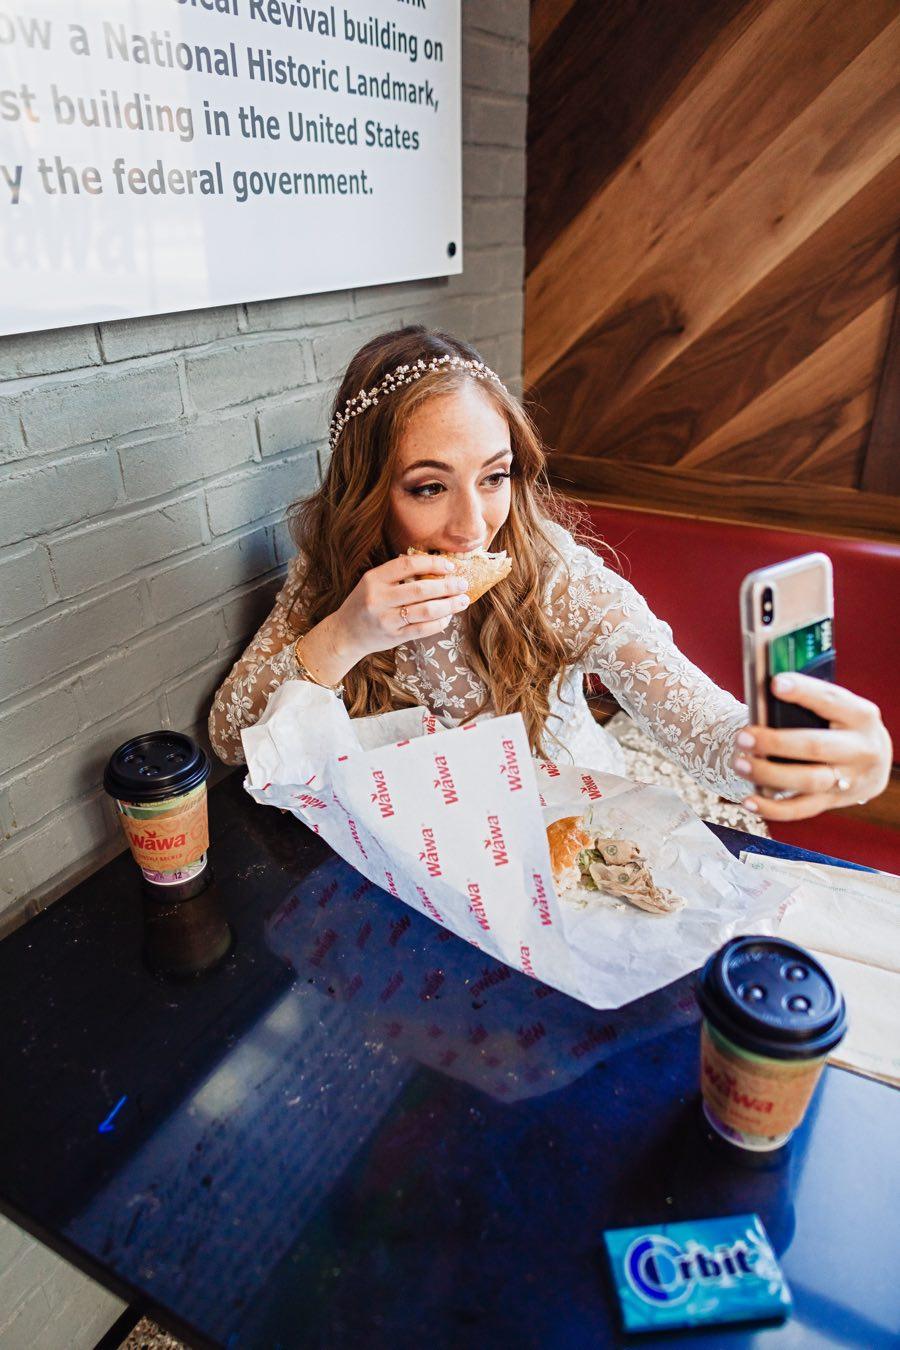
pixel 670 701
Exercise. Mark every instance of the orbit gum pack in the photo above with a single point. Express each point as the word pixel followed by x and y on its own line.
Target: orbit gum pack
pixel 695 1274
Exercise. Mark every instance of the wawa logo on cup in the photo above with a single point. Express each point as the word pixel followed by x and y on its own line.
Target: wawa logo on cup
pixel 170 842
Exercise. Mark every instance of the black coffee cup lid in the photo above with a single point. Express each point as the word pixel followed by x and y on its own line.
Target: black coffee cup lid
pixel 771 997
pixel 154 766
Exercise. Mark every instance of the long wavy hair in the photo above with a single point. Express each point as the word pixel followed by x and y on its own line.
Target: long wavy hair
pixel 340 534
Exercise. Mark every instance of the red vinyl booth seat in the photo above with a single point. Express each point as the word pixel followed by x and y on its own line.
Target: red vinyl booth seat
pixel 690 572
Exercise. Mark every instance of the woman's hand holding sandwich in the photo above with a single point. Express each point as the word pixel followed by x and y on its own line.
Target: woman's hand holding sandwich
pixel 397 602
pixel 400 601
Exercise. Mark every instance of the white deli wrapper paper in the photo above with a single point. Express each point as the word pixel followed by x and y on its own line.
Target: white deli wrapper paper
pixel 453 822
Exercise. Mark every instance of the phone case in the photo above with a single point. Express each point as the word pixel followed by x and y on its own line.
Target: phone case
pixel 803 594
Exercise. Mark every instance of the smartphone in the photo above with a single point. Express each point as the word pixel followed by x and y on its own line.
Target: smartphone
pixel 787 623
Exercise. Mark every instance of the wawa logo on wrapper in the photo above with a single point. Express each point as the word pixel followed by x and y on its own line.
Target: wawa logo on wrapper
pixel 496 842
pixel 351 826
pixel 429 855
pixel 305 799
pixel 444 781
pixel 510 767
pixel 167 843
pixel 323 946
pixel 589 787
pixel 540 900
pixel 429 904
pixel 382 796
pixel 476 905
pixel 490 977
pixel 398 928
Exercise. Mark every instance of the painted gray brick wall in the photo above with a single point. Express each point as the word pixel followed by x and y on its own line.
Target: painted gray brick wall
pixel 145 467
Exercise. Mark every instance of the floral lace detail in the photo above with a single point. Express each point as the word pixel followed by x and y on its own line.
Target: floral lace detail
pixel 268 661
pixel 633 652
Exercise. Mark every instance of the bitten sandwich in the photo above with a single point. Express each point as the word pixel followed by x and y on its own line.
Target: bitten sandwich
pixel 480 569
pixel 585 860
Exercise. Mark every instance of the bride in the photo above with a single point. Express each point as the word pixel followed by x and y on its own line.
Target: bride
pixel 430 449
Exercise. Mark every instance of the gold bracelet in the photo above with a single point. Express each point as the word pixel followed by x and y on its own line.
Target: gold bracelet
pixel 306 673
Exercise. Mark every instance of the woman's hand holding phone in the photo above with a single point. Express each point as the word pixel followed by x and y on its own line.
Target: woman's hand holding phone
pixel 844 764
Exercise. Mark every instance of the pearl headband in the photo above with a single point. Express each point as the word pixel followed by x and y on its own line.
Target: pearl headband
pixel 396 379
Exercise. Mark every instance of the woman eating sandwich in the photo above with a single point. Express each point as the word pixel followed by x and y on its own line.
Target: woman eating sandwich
pixel 436 566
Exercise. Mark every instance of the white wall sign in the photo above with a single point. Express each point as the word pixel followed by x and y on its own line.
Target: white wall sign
pixel 160 155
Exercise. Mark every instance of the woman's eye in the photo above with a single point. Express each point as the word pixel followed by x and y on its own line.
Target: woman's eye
pixel 495 480
pixel 433 489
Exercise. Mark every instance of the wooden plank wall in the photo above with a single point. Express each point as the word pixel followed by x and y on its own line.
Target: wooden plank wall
pixel 712 253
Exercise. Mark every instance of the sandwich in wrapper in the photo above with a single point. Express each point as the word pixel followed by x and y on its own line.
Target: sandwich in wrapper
pixel 481 569
pixel 584 860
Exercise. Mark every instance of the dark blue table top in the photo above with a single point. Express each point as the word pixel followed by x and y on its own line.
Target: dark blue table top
pixel 358 1131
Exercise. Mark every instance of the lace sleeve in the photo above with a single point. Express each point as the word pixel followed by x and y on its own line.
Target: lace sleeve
pixel 267 663
pixel 633 652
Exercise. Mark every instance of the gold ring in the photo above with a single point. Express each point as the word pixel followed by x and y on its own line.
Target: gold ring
pixel 403 615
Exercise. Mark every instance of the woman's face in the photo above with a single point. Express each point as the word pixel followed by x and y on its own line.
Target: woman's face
pixel 459 497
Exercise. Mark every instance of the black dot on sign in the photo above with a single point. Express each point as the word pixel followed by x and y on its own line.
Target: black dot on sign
pixel 451 249
pixel 799 1003
pixel 796 973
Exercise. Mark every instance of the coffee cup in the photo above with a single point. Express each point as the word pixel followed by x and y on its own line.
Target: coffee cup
pixel 771 1017
pixel 158 782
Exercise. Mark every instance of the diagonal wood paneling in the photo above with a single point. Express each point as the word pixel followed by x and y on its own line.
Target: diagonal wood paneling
pixel 881 472
pixel 546 16
pixel 837 272
pixel 599 80
pixel 798 421
pixel 715 297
